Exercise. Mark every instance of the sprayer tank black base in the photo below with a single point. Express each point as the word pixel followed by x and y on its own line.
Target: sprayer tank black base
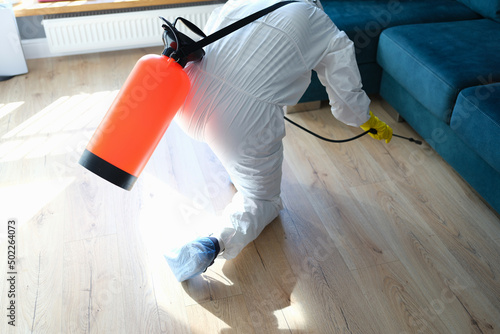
pixel 107 171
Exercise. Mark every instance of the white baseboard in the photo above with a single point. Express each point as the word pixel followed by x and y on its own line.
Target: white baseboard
pixel 36 48
pixel 39 48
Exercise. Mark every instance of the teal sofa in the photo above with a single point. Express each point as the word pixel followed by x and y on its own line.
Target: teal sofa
pixel 364 20
pixel 437 62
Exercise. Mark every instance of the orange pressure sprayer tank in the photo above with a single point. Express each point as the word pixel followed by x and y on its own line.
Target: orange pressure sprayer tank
pixel 136 121
pixel 141 113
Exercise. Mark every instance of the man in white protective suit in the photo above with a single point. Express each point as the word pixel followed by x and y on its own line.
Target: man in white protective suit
pixel 236 105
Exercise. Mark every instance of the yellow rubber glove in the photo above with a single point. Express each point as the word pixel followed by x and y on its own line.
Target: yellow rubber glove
pixel 384 131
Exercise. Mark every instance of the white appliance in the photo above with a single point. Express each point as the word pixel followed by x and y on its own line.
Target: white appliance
pixel 12 60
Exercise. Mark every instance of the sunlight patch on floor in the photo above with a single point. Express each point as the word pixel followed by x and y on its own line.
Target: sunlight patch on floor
pixel 65 123
pixel 6 109
pixel 167 218
pixel 22 201
pixel 291 317
pixel 67 113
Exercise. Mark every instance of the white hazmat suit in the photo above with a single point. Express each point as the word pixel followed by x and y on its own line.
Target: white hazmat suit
pixel 238 92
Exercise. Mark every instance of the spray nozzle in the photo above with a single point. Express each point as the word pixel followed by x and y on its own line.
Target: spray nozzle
pixel 418 142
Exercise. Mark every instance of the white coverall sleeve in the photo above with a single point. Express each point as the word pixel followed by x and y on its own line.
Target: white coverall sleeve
pixel 338 72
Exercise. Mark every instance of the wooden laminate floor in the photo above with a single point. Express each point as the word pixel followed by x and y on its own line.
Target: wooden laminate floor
pixel 373 238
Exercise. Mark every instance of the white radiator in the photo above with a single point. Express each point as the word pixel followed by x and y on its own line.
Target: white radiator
pixel 106 32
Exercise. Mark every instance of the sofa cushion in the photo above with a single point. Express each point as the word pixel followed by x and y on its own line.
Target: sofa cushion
pixel 476 120
pixel 434 62
pixel 364 20
pixel 487 8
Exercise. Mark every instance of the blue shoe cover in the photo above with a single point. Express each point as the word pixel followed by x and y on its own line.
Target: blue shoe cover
pixel 193 258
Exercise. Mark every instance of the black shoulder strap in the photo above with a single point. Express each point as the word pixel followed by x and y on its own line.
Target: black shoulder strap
pixel 188 49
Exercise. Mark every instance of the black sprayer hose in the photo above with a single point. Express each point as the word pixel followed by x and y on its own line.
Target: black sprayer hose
pixel 418 142
pixel 373 131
